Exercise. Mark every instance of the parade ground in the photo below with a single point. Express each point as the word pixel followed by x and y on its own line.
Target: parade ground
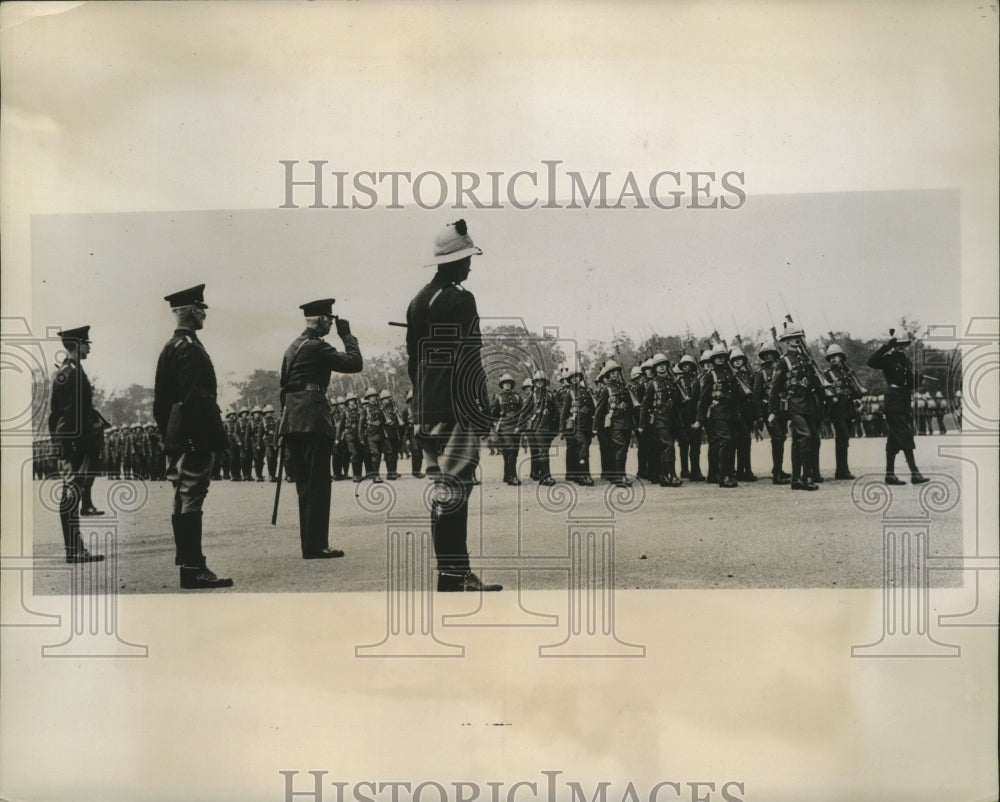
pixel 758 535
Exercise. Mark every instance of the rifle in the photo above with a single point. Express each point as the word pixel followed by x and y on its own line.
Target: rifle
pixel 807 352
pixel 859 388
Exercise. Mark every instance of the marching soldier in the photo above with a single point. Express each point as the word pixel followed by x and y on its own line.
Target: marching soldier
pixel 844 408
pixel 690 443
pixel 355 450
pixel 777 426
pixel 306 421
pixel 73 424
pixel 538 420
pixel 891 359
pixel 392 427
pixel 416 452
pixel 576 422
pixel 614 414
pixel 797 386
pixel 741 370
pixel 185 409
pixel 451 399
pixel 270 443
pixel 723 405
pixel 661 414
pixel 506 410
pixel 339 455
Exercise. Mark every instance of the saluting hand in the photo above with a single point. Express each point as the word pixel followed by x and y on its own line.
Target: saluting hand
pixel 343 327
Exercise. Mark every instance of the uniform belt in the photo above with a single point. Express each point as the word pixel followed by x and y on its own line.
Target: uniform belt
pixel 298 388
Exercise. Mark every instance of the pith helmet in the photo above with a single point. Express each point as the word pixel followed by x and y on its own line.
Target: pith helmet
pixel 256 411
pixel 506 378
pixel 244 410
pixel 737 353
pixel 635 373
pixel 719 350
pixel 384 395
pixel 648 364
pixel 793 333
pixel 526 383
pixel 609 367
pixel 371 391
pixel 687 359
pixel 835 349
pixel 706 356
pixel 658 359
pixel 268 408
pixel 767 348
pixel 453 243
pixel 350 397
pixel 539 375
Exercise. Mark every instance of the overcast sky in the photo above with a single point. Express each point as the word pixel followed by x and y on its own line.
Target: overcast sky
pixel 148 138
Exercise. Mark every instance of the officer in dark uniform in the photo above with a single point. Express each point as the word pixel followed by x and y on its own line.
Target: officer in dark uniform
pixel 451 400
pixel 777 427
pixel 306 420
pixel 576 423
pixel 185 409
pixel 73 425
pixel 506 410
pixel 844 407
pixel 796 389
pixel 661 415
pixel 891 359
pixel 538 420
pixel 690 445
pixel 613 413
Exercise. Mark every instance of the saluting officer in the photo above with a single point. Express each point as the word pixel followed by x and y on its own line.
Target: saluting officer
pixel 891 359
pixel 72 421
pixel 660 415
pixel 306 420
pixel 576 423
pixel 186 410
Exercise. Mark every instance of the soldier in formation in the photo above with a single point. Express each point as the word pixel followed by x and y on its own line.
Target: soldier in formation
pixel 614 415
pixel 776 420
pixel 576 425
pixel 506 411
pixel 539 422
pixel 661 414
pixel 847 392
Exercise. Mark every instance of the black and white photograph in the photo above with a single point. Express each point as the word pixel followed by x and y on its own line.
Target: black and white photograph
pixel 492 401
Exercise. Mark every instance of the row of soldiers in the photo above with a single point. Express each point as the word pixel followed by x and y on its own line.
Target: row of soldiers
pixel 669 411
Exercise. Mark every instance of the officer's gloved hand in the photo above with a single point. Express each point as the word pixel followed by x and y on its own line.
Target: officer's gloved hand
pixel 343 327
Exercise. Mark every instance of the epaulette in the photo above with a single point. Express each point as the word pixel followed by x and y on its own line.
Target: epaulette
pixel 182 339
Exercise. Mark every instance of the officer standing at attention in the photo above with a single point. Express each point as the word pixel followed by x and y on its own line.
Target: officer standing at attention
pixel 71 427
pixel 450 398
pixel 891 359
pixel 185 409
pixel 307 422
pixel 576 424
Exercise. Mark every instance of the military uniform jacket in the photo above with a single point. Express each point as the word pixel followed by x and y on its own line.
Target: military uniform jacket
pixel 689 408
pixel 614 407
pixel 577 416
pixel 185 375
pixel 305 376
pixel 895 366
pixel 445 366
pixel 351 424
pixel 270 429
pixel 72 416
pixel 721 396
pixel 373 421
pixel 540 414
pixel 762 381
pixel 507 410
pixel 661 404
pixel 796 380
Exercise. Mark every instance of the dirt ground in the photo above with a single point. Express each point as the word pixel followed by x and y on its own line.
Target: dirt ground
pixel 697 536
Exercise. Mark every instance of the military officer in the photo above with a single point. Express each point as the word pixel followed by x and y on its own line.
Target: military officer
pixel 72 420
pixel 186 411
pixel 796 388
pixel 844 407
pixel 613 412
pixel 506 410
pixel 451 398
pixel 891 359
pixel 306 421
pixel 777 426
pixel 576 423
pixel 538 420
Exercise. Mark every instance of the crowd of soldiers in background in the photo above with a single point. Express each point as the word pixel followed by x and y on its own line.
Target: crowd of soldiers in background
pixel 373 429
